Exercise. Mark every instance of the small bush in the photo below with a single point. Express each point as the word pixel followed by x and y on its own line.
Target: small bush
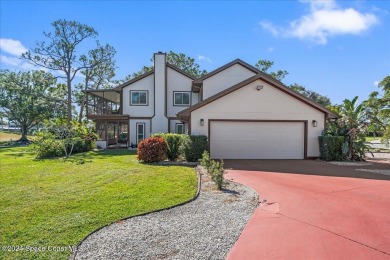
pixel 194 146
pixel 81 145
pixel 214 169
pixel 217 171
pixel 60 139
pixel 331 147
pixel 174 143
pixel 152 149
pixel 49 148
pixel 206 160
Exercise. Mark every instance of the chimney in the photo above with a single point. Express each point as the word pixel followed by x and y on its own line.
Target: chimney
pixel 160 73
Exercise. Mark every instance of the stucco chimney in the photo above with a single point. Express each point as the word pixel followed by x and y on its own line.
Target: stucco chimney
pixel 160 73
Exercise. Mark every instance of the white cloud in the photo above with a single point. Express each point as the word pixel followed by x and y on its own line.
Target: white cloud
pixel 320 4
pixel 268 26
pixel 13 47
pixel 202 57
pixel 376 83
pixel 17 62
pixel 325 19
pixel 7 60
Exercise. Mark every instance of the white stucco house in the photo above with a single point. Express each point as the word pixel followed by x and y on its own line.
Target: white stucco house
pixel 245 113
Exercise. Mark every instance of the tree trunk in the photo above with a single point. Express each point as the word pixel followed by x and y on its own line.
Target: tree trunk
pixel 23 139
pixel 69 84
pixel 84 98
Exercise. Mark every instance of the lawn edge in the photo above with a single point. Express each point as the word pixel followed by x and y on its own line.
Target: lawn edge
pixel 74 254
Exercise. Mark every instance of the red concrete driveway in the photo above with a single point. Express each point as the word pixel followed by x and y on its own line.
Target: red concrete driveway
pixel 313 210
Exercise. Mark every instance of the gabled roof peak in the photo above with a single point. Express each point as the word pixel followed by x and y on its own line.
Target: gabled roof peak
pixel 184 115
pixel 228 65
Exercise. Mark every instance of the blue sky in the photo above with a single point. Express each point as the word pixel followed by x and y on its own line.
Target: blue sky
pixel 338 48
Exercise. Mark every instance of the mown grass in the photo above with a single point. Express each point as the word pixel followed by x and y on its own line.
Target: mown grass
pixel 7 136
pixel 370 138
pixel 58 202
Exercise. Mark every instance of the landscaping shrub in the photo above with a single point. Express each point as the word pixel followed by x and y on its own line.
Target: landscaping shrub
pixel 82 145
pixel 206 160
pixel 174 143
pixel 48 148
pixel 331 147
pixel 194 146
pixel 214 169
pixel 152 149
pixel 217 171
pixel 60 139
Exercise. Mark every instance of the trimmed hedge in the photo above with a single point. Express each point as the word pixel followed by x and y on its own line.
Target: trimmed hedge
pixel 331 147
pixel 174 144
pixel 194 146
pixel 152 149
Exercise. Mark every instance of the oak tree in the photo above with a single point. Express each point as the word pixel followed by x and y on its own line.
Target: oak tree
pixel 30 97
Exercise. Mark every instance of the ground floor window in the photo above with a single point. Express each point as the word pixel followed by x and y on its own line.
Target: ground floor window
pixel 179 128
pixel 140 132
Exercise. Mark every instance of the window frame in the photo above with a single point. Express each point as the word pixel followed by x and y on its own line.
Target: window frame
pixel 139 91
pixel 182 92
pixel 176 128
pixel 137 132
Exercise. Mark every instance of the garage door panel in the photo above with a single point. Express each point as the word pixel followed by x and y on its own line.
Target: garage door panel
pixel 257 140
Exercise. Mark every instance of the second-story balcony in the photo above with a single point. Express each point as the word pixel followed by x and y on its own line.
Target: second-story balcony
pixel 103 102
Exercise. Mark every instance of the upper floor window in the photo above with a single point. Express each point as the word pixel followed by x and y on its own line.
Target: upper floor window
pixel 138 98
pixel 181 98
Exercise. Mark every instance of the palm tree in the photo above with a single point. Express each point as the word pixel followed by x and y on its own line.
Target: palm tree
pixel 353 116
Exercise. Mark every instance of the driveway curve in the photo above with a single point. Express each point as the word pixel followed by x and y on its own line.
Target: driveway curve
pixel 313 210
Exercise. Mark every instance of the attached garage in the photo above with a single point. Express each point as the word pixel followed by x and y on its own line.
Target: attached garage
pixel 249 139
pixel 258 118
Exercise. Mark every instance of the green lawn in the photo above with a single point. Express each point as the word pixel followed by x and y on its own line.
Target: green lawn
pixel 57 203
pixel 370 138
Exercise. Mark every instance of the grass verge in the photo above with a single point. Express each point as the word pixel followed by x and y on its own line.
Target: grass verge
pixel 56 203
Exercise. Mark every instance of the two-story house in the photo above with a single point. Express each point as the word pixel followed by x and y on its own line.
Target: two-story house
pixel 245 113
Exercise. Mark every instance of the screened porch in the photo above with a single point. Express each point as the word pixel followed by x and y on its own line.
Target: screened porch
pixel 103 102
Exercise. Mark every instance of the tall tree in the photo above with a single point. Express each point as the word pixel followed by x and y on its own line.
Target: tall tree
pixel 100 70
pixel 185 63
pixel 374 113
pixel 265 65
pixel 61 52
pixel 179 60
pixel 29 98
pixel 384 102
pixel 320 99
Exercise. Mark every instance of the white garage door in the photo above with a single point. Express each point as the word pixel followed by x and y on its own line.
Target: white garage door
pixel 256 140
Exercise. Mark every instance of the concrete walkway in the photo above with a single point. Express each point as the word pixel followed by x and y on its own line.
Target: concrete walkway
pixel 312 213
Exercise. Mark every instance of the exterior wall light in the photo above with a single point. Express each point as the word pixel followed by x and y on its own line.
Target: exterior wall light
pixel 314 123
pixel 259 87
pixel 202 122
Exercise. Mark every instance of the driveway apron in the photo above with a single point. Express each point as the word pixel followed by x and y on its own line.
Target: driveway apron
pixel 315 215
